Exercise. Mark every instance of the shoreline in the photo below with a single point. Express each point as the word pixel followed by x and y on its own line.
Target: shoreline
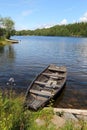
pixel 8 41
pixel 12 40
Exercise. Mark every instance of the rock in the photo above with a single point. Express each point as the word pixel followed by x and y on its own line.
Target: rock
pixel 81 117
pixel 69 116
pixel 58 121
pixel 40 122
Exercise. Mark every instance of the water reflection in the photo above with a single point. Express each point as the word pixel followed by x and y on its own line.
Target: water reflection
pixel 1 49
pixel 7 60
pixel 7 52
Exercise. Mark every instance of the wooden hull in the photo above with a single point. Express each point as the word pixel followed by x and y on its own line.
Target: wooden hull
pixel 45 87
pixel 12 40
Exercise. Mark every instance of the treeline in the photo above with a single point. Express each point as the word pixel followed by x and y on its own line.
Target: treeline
pixel 76 29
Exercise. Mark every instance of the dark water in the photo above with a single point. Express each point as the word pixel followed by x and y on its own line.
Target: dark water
pixel 25 60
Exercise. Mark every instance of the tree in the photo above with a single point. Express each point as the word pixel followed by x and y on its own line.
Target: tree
pixel 2 32
pixel 8 24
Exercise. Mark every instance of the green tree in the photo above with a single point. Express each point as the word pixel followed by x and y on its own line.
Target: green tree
pixel 2 32
pixel 8 24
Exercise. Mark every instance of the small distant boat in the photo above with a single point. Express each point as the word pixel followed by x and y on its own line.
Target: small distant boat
pixel 45 86
pixel 12 40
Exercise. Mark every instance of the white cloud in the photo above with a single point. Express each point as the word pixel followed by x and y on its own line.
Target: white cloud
pixel 83 18
pixel 63 22
pixel 47 25
pixel 26 12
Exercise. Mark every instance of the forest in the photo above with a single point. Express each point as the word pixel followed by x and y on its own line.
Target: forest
pixel 76 29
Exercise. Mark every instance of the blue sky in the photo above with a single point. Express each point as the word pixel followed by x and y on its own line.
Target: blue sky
pixel 32 14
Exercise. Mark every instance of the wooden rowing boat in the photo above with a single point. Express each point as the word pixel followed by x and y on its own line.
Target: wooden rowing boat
pixel 45 86
pixel 12 40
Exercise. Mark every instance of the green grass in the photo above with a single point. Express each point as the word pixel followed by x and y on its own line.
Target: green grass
pixel 82 125
pixel 14 117
pixel 4 42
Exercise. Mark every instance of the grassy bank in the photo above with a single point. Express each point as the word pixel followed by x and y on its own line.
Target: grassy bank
pixel 4 42
pixel 7 41
pixel 14 117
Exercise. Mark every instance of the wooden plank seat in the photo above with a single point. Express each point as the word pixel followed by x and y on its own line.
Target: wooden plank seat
pixel 49 84
pixel 39 82
pixel 54 75
pixel 42 92
pixel 60 69
pixel 58 78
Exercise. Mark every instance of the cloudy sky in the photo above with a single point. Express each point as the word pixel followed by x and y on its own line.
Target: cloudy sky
pixel 32 14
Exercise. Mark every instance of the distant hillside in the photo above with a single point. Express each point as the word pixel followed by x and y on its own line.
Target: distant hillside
pixel 76 29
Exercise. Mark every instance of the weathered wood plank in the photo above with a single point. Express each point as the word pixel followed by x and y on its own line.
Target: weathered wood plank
pixel 74 111
pixel 41 83
pixel 54 75
pixel 60 69
pixel 44 93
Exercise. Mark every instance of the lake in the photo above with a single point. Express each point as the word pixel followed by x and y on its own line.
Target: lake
pixel 25 60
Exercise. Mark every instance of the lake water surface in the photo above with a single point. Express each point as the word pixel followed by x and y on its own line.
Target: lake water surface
pixel 25 60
